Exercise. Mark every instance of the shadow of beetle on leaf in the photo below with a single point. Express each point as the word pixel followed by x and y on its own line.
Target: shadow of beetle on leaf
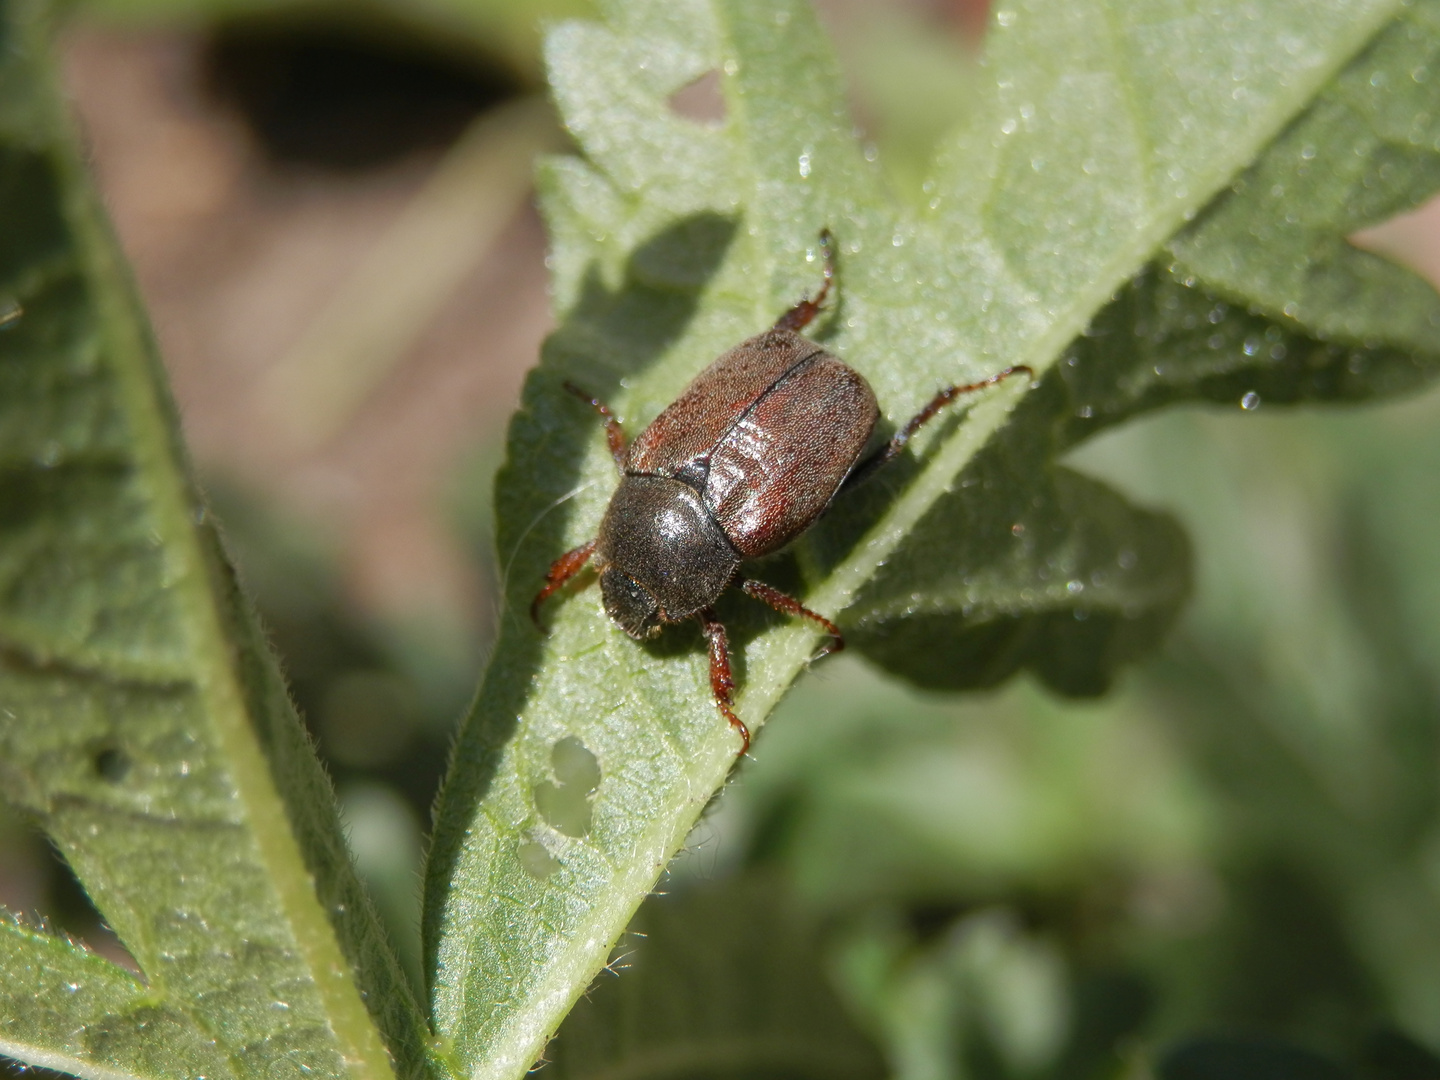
pixel 609 334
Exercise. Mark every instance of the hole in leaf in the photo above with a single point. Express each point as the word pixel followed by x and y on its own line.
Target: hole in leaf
pixel 701 100
pixel 565 804
pixel 112 764
pixel 1408 238
pixel 537 862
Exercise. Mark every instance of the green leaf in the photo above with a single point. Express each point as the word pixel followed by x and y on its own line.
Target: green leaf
pixel 1265 300
pixel 1044 569
pixel 1245 1059
pixel 1368 149
pixel 145 725
pixel 70 1010
pixel 981 988
pixel 722 980
pixel 1104 131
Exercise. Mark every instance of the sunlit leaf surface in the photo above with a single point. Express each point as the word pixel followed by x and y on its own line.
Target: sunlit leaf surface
pixel 1103 132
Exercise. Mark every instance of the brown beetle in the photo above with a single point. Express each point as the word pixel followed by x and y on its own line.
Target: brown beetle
pixel 741 463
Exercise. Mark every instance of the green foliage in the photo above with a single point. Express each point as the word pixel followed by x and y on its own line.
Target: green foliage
pixel 146 728
pixel 673 240
pixel 721 982
pixel 1146 205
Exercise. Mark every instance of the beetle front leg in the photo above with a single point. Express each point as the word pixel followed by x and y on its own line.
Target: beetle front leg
pixel 803 313
pixel 614 433
pixel 892 449
pixel 561 571
pixel 722 682
pixel 788 605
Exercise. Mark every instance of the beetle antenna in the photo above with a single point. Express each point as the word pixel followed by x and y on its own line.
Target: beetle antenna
pixel 520 543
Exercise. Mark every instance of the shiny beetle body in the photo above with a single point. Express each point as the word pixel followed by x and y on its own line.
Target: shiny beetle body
pixel 739 465
pixel 742 462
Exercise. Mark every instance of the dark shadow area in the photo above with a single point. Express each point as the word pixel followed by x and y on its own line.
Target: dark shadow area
pixel 1296 971
pixel 10 1069
pixel 1246 1059
pixel 1111 1007
pixel 341 94
pixel 1392 1055
pixel 607 336
pixel 1011 521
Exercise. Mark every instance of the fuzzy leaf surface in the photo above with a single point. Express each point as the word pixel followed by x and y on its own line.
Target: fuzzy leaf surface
pixel 143 723
pixel 102 1023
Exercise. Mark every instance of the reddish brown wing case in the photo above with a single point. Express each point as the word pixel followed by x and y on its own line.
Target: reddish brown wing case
pixel 778 421
pixel 691 425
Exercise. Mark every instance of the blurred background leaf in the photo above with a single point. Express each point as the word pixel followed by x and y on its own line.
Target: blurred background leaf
pixel 726 982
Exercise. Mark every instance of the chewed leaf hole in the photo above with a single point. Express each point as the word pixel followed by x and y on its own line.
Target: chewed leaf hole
pixel 111 764
pixel 1407 238
pixel 538 862
pixel 701 100
pixel 565 802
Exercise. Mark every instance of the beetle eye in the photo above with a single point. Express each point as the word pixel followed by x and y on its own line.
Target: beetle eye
pixel 629 604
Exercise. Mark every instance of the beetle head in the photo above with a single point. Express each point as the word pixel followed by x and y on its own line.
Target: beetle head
pixel 629 604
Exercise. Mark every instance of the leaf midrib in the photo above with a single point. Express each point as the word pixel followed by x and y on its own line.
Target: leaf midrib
pixel 156 454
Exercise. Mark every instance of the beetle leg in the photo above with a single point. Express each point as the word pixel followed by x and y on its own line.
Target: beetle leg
pixel 892 449
pixel 561 571
pixel 788 605
pixel 722 683
pixel 803 313
pixel 614 433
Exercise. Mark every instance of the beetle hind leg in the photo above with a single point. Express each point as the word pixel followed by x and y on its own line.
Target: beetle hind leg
pixel 561 571
pixel 788 605
pixel 892 449
pixel 722 682
pixel 803 313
